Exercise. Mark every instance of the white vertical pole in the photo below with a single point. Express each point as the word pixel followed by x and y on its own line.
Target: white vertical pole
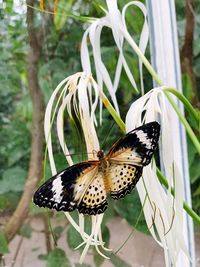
pixel 165 60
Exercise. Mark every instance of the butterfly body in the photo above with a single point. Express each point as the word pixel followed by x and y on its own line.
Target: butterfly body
pixel 85 186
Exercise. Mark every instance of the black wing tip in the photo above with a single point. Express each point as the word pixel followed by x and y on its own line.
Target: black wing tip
pixel 150 127
pixel 153 124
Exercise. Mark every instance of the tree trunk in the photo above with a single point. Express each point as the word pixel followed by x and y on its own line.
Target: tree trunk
pixel 187 49
pixel 36 160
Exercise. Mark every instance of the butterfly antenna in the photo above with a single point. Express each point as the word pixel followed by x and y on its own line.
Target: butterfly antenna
pixel 108 134
pixel 84 153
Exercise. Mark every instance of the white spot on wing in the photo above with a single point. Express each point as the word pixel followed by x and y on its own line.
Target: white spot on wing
pixel 144 139
pixel 57 189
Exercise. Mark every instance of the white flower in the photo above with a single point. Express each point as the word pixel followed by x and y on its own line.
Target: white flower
pixel 161 209
pixel 78 92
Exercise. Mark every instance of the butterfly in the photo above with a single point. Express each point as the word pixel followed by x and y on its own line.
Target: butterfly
pixel 85 186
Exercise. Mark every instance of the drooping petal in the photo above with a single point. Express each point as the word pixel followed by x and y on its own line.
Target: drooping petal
pixel 161 209
pixel 78 93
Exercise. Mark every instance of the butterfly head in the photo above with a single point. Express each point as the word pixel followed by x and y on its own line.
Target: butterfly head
pixel 100 154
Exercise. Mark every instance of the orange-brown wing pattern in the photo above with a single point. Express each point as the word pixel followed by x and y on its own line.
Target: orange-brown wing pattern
pixel 123 179
pixel 94 199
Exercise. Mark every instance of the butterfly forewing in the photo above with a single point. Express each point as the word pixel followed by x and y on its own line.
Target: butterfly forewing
pixel 123 179
pixel 65 190
pixel 137 147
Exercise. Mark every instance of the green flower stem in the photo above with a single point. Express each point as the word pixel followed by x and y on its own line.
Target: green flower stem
pixel 186 207
pixel 112 111
pixel 185 102
pixel 67 14
pixel 184 121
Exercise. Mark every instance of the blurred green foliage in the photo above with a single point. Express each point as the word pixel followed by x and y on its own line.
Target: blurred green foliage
pixel 57 258
pixel 3 242
pixel 60 57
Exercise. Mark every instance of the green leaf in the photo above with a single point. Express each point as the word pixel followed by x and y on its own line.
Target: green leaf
pixel 191 151
pixel 13 180
pixel 98 259
pixel 3 243
pixel 195 170
pixel 4 202
pixel 58 231
pixel 117 261
pixel 130 208
pixel 26 231
pixel 187 87
pixel 60 18
pixel 57 258
pixel 73 237
pixel 197 193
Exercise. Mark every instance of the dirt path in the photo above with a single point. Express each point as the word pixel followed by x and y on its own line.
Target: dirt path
pixel 140 250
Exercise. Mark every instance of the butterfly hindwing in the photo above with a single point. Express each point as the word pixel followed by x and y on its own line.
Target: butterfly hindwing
pixel 138 146
pixel 94 199
pixel 65 190
pixel 123 179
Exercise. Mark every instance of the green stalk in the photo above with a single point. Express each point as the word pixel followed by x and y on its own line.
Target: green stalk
pixel 112 111
pixel 68 14
pixel 185 102
pixel 185 123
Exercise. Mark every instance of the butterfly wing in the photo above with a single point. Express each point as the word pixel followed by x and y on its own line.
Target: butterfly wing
pixel 94 199
pixel 65 190
pixel 123 179
pixel 128 156
pixel 137 147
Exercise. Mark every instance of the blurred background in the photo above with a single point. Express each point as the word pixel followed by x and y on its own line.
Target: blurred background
pixel 37 51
